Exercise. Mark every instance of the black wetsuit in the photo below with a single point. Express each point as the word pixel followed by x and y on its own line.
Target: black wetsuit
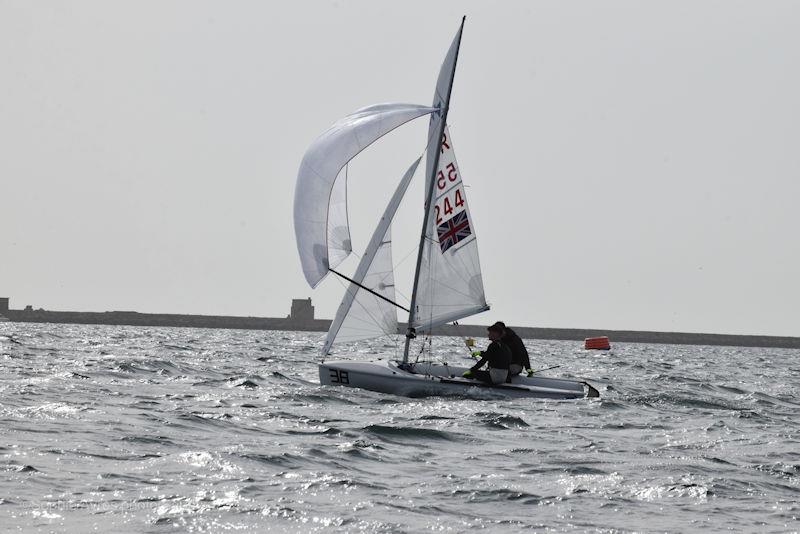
pixel 519 354
pixel 499 357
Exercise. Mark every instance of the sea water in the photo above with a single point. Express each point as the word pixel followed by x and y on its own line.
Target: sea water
pixel 128 429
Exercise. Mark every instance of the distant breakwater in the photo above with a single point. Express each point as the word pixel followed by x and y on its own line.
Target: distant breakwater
pixel 130 318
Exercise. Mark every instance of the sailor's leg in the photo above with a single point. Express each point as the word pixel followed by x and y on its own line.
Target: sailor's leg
pixel 497 376
pixel 513 370
pixel 483 376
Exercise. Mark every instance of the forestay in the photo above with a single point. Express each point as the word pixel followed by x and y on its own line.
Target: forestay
pixel 450 282
pixel 361 314
pixel 320 197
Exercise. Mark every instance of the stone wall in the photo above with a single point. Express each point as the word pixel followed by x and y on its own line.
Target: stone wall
pixel 322 325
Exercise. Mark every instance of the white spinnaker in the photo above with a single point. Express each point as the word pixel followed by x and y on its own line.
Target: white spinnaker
pixel 361 314
pixel 450 282
pixel 320 212
pixel 339 246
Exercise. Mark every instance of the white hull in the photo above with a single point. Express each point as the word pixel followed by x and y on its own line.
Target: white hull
pixel 430 379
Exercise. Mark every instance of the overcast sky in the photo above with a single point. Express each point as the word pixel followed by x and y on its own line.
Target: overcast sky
pixel 631 165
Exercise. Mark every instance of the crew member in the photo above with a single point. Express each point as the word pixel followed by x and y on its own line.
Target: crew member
pixel 519 354
pixel 497 355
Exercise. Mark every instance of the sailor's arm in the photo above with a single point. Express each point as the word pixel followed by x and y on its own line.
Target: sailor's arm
pixel 480 363
pixel 526 358
pixel 486 355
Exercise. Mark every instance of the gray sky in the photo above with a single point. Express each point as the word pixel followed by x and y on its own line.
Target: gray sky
pixel 631 165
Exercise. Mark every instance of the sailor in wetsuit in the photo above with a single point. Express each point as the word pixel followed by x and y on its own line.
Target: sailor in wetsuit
pixel 498 356
pixel 519 354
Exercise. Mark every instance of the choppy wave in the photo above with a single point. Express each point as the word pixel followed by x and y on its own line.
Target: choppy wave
pixel 158 430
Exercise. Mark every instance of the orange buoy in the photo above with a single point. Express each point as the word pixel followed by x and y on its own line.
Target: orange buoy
pixel 596 343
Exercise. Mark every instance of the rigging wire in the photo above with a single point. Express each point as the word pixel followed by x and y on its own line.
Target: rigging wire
pixel 429 340
pixel 461 335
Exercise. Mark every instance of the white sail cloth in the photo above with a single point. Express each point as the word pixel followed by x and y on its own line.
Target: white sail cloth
pixel 320 204
pixel 441 101
pixel 361 314
pixel 449 285
pixel 450 282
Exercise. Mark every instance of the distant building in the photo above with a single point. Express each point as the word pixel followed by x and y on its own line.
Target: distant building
pixel 302 311
pixel 3 304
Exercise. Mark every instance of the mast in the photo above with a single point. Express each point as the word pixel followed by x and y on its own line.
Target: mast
pixel 445 107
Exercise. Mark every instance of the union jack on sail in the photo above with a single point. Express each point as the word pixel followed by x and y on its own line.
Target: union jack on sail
pixel 454 230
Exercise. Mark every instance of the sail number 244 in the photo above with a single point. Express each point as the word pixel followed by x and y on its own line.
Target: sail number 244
pixel 448 204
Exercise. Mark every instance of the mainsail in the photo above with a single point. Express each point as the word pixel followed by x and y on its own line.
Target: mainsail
pixel 450 282
pixel 320 204
pixel 449 286
pixel 362 314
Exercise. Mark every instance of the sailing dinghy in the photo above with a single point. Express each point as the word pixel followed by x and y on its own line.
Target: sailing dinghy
pixel 448 285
